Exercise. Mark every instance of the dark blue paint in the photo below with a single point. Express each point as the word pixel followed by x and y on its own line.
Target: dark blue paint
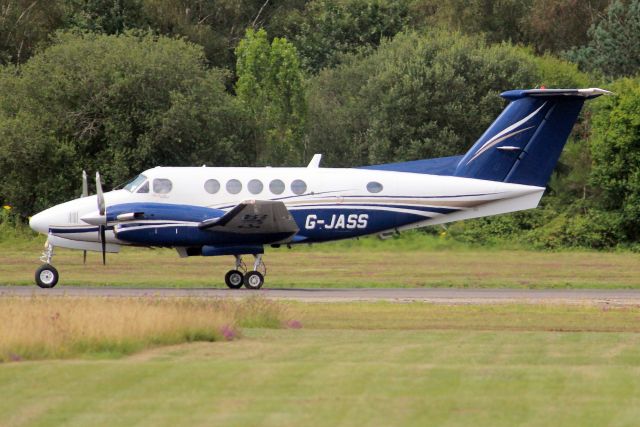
pixel 190 235
pixel 378 221
pixel 439 166
pixel 232 250
pixel 164 211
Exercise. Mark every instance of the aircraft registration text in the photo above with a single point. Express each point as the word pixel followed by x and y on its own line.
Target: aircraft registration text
pixel 350 222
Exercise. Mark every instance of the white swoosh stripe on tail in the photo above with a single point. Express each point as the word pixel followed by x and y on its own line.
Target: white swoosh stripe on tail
pixel 499 136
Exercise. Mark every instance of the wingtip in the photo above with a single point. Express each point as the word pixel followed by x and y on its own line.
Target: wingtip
pixel 594 91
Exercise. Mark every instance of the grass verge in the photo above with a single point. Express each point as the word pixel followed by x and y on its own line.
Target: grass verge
pixel 498 317
pixel 338 267
pixel 41 328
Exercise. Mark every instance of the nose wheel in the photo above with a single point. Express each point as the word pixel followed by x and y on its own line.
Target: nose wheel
pixel 239 276
pixel 47 276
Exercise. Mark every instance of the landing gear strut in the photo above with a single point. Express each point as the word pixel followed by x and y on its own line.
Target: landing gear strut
pixel 47 276
pixel 250 279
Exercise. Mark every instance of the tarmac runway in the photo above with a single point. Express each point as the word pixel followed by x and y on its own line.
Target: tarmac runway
pixel 432 295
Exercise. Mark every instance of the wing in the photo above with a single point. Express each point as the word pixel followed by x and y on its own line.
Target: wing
pixel 254 217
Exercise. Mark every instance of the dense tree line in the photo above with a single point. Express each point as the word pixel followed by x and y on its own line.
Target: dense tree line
pixel 123 85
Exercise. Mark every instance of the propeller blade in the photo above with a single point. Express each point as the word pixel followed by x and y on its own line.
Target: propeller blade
pixel 85 184
pixel 85 193
pixel 102 227
pixel 101 205
pixel 103 241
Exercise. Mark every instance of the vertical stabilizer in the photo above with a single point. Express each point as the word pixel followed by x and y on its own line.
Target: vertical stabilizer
pixel 523 144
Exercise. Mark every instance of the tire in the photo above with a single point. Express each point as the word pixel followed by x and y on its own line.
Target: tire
pixel 234 279
pixel 253 280
pixel 47 276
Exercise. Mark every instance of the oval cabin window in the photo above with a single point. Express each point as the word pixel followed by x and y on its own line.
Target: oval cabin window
pixel 276 186
pixel 298 186
pixel 374 187
pixel 234 186
pixel 255 186
pixel 212 186
pixel 162 186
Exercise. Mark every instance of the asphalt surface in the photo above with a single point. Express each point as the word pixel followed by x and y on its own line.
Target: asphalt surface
pixel 434 295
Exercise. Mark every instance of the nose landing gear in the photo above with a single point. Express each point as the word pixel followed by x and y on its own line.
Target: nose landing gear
pixel 47 276
pixel 239 276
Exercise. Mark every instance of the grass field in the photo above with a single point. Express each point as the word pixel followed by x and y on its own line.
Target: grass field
pixel 353 364
pixel 411 262
pixel 45 328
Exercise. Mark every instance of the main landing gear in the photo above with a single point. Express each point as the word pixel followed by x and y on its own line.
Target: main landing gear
pixel 250 279
pixel 47 276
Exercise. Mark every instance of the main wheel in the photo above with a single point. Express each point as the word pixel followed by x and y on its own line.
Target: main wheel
pixel 47 276
pixel 233 279
pixel 253 280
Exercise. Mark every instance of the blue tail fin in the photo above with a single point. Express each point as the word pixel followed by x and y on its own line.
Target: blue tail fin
pixel 523 144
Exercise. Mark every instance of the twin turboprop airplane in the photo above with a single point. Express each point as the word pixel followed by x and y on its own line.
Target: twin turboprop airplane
pixel 203 211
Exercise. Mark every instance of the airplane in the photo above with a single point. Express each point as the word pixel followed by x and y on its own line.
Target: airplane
pixel 236 211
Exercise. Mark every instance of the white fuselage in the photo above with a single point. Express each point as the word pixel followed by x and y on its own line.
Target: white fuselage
pixel 400 200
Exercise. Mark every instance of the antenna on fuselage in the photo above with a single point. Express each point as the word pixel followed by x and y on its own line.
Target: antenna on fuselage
pixel 315 161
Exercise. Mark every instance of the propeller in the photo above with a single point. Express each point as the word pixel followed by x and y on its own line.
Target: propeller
pixel 102 210
pixel 85 193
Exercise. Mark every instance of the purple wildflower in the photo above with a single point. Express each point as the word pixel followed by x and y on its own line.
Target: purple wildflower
pixel 294 324
pixel 228 333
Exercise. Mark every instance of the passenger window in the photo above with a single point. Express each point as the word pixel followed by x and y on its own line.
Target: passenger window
pixel 298 186
pixel 374 187
pixel 162 186
pixel 212 186
pixel 144 188
pixel 276 186
pixel 255 186
pixel 234 186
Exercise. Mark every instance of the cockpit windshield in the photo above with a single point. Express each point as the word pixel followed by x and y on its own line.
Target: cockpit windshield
pixel 135 183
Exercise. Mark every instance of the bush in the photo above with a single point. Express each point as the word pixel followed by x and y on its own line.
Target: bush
pixel 118 104
pixel 593 229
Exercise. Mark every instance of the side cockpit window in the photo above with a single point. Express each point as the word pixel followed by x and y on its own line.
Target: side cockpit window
pixel 162 186
pixel 144 188
pixel 136 183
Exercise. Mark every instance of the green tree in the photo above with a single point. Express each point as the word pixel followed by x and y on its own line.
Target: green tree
pixel 329 28
pixel 419 96
pixel 614 42
pixel 24 24
pixel 218 25
pixel 498 20
pixel 271 85
pixel 118 104
pixel 558 25
pixel 106 16
pixel 615 150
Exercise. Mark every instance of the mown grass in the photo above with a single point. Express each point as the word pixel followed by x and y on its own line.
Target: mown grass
pixel 372 264
pixel 350 364
pixel 42 328
pixel 497 317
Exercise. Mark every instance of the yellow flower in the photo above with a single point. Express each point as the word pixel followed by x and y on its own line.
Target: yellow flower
pixel 6 207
